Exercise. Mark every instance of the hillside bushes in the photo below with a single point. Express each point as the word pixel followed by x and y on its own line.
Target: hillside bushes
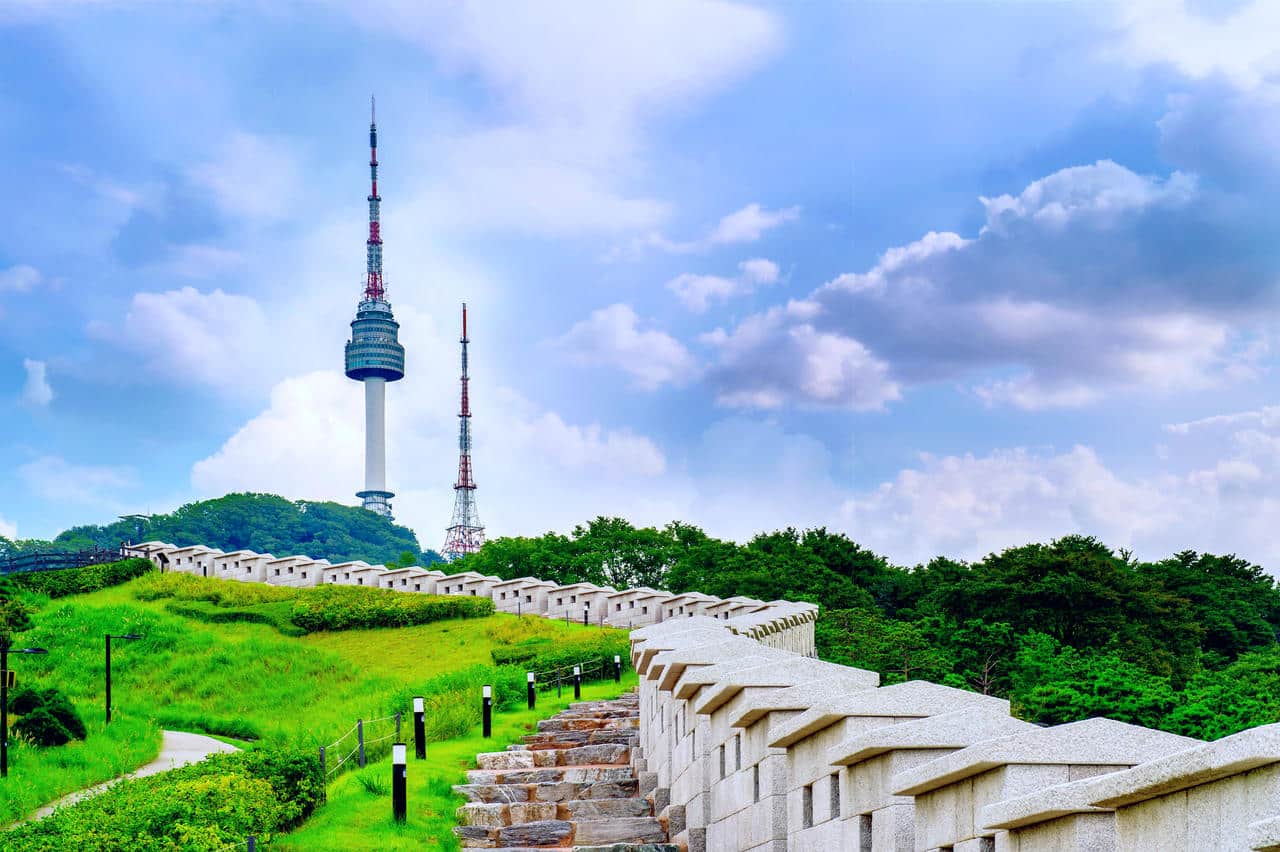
pixel 79 581
pixel 205 806
pixel 48 718
pixel 295 612
pixel 350 607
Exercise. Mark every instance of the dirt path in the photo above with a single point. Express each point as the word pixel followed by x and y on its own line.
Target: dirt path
pixel 176 749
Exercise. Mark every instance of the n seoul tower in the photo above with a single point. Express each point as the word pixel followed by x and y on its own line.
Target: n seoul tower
pixel 374 353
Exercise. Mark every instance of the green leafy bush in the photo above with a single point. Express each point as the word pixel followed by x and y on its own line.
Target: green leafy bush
pixel 39 727
pixel 204 806
pixel 350 607
pixel 79 581
pixel 48 717
pixel 275 615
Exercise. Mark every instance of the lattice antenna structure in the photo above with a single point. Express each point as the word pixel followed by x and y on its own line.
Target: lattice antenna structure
pixel 465 533
pixel 374 355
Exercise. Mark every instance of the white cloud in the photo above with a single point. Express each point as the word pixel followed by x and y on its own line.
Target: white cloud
pixel 19 279
pixel 36 392
pixel 221 340
pixel 55 479
pixel 252 176
pixel 613 337
pixel 746 225
pixel 1066 295
pixel 749 224
pixel 8 529
pixel 1237 44
pixel 697 292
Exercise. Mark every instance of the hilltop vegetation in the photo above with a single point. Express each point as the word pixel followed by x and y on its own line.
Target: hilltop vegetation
pixel 1065 630
pixel 261 522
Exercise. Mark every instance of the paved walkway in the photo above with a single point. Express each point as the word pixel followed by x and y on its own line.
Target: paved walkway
pixel 176 749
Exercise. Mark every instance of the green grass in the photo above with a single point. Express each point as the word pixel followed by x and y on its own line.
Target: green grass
pixel 357 815
pixel 237 680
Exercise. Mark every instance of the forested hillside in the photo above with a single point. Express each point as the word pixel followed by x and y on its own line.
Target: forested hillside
pixel 1065 630
pixel 262 522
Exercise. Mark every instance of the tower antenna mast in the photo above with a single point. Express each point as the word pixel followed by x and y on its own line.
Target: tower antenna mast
pixel 465 533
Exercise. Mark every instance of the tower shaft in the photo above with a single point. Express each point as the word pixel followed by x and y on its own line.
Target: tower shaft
pixel 465 533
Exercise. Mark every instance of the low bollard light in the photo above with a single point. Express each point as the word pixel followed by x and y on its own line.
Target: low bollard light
pixel 419 729
pixel 577 682
pixel 617 668
pixel 533 693
pixel 399 778
pixel 586 614
pixel 486 710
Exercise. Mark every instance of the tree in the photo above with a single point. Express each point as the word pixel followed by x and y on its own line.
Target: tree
pixel 15 614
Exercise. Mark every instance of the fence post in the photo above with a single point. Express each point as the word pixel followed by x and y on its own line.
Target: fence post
pixel 324 773
pixel 397 726
pixel 360 739
pixel 251 843
pixel 419 729
pixel 486 711
pixel 533 693
pixel 559 680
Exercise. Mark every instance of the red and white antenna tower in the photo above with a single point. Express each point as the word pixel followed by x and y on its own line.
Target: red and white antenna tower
pixel 465 533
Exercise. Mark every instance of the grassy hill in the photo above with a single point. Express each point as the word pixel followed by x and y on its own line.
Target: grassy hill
pixel 253 681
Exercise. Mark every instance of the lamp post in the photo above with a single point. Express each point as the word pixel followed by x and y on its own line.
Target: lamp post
pixel 109 637
pixel 4 701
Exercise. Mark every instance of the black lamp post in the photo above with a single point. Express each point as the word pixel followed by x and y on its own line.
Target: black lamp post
pixel 109 637
pixel 4 702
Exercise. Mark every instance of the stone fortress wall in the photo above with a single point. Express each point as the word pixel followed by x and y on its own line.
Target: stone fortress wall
pixel 749 744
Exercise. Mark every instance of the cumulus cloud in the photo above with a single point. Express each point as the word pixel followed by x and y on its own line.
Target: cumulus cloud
pixel 614 337
pixel 1078 285
pixel 565 147
pixel 216 339
pixel 1236 43
pixel 746 225
pixel 534 468
pixel 8 529
pixel 36 392
pixel 697 292
pixel 252 176
pixel 53 478
pixel 19 279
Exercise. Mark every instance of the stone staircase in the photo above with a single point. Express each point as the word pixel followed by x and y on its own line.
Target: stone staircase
pixel 569 786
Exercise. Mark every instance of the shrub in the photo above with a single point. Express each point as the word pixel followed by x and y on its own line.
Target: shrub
pixel 39 727
pixel 348 607
pixel 48 717
pixel 79 581
pixel 205 806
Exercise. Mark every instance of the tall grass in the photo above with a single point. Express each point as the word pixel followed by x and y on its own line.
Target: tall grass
pixel 240 680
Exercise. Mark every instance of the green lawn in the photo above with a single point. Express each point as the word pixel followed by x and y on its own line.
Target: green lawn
pixel 238 680
pixel 358 813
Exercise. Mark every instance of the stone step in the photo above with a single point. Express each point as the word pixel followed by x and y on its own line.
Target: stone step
pixel 587 809
pixel 550 774
pixel 562 791
pixel 600 832
pixel 568 739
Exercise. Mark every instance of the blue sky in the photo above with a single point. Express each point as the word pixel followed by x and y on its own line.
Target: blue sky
pixel 945 276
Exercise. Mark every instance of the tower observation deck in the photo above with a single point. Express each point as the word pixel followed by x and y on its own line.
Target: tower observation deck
pixel 374 355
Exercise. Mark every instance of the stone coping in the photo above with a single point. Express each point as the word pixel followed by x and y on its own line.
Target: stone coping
pixel 955 730
pixel 668 666
pixel 696 677
pixel 1265 834
pixel 1043 805
pixel 727 679
pixel 1199 764
pixel 915 698
pixel 797 698
pixel 1098 741
pixel 648 653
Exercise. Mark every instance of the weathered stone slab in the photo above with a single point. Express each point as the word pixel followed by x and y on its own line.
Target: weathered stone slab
pixel 619 830
pixel 551 832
